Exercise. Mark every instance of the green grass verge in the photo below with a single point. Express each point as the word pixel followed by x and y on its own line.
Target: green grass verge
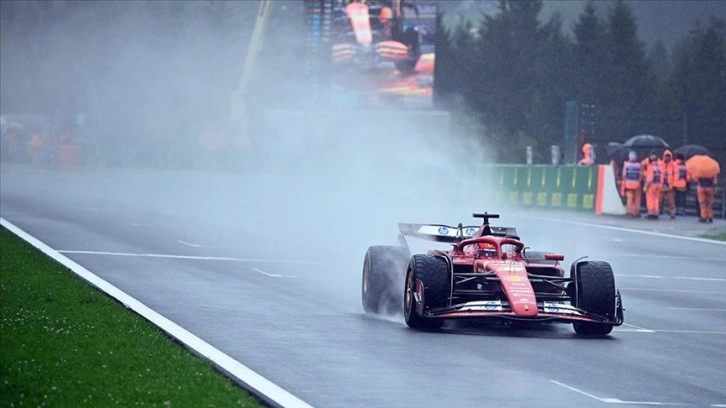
pixel 718 237
pixel 63 343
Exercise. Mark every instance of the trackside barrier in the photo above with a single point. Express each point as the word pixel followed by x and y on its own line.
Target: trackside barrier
pixel 547 186
pixel 583 188
pixel 607 196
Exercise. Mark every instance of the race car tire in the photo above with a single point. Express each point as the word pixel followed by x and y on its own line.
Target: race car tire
pixel 595 293
pixel 433 273
pixel 384 269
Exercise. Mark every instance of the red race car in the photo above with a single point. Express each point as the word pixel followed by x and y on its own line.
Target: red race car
pixel 487 274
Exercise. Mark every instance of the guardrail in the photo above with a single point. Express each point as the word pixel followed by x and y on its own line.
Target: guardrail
pixel 581 188
pixel 546 186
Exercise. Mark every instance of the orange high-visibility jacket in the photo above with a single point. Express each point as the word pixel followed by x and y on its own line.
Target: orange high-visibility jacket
pixel 653 174
pixel 586 156
pixel 632 174
pixel 668 170
pixel 680 181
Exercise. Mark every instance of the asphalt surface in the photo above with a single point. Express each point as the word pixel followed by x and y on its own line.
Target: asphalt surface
pixel 268 270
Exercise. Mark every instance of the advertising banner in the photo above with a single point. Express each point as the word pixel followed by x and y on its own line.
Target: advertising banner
pixel 380 52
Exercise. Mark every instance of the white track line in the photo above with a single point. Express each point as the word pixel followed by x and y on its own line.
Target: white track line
pixel 576 390
pixel 697 309
pixel 636 231
pixel 638 328
pixel 616 400
pixel 715 292
pixel 696 278
pixel 272 275
pixel 255 383
pixel 620 330
pixel 690 331
pixel 193 257
pixel 188 244
pixel 700 258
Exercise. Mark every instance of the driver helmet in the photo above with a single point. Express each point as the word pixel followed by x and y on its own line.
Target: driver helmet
pixel 487 250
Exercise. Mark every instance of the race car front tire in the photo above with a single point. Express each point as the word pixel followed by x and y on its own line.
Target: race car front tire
pixel 595 293
pixel 431 274
pixel 384 269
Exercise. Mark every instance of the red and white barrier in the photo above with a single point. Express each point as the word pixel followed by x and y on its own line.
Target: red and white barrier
pixel 607 197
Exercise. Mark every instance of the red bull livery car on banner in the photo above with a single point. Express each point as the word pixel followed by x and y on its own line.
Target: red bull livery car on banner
pixel 487 274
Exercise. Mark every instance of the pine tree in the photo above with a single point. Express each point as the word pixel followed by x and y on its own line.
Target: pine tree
pixel 626 97
pixel 590 55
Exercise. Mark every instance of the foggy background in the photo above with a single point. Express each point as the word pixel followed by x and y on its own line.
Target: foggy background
pixel 148 85
pixel 153 81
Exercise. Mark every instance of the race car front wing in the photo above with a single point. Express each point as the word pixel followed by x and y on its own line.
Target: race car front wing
pixel 500 309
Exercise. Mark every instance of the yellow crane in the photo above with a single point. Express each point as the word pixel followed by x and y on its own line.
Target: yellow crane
pixel 239 98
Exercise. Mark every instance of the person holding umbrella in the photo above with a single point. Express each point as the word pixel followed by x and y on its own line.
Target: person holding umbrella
pixel 704 171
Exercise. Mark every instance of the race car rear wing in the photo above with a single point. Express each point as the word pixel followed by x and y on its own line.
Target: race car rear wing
pixel 449 234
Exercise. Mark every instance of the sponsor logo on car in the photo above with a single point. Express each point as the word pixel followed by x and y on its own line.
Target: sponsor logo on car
pixel 515 278
pixel 484 305
pixel 469 232
pixel 550 307
pixel 443 231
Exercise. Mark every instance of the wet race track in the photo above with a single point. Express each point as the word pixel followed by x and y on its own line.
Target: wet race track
pixel 268 271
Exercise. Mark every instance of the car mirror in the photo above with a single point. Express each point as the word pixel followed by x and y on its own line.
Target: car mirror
pixel 554 257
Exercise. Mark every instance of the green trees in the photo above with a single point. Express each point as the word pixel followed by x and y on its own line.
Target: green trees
pixel 697 85
pixel 625 80
pixel 515 72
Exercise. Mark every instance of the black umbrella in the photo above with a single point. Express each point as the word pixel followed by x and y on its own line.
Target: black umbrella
pixel 617 153
pixel 644 145
pixel 646 141
pixel 691 150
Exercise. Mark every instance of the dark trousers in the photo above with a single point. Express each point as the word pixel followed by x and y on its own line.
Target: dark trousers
pixel 681 199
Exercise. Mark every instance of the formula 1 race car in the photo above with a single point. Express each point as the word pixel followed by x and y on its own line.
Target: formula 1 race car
pixel 487 274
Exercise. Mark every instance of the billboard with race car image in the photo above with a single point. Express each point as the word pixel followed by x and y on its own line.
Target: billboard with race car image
pixel 375 52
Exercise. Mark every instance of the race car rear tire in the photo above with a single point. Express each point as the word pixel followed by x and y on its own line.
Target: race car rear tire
pixel 595 293
pixel 433 274
pixel 384 269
